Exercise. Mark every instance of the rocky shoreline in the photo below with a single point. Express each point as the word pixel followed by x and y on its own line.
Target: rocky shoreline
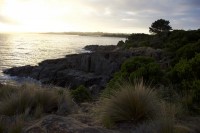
pixel 92 70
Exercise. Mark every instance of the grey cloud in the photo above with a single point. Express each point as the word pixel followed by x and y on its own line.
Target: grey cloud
pixel 185 12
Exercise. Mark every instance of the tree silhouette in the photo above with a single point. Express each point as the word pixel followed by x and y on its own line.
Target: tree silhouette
pixel 160 26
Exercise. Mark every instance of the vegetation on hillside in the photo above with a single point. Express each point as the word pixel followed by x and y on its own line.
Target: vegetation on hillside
pixel 177 85
pixel 182 49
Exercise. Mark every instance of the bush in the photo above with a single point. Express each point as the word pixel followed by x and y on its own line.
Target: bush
pixel 185 75
pixel 131 103
pixel 134 68
pixel 142 67
pixel 188 51
pixel 120 43
pixel 81 94
pixel 179 38
pixel 187 70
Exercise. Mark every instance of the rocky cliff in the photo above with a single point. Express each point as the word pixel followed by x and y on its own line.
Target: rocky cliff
pixel 89 69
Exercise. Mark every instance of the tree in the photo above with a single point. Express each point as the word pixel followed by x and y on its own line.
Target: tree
pixel 160 26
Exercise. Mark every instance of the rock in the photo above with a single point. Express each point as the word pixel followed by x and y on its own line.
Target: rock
pixel 20 71
pixel 95 90
pixel 99 48
pixel 147 51
pixel 86 69
pixel 59 124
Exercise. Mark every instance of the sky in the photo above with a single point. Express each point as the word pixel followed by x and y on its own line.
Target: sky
pixel 115 16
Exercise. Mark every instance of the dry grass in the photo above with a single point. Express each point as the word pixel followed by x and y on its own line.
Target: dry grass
pixel 162 126
pixel 132 103
pixel 6 90
pixel 9 125
pixel 16 127
pixel 33 100
pixel 2 128
pixel 166 123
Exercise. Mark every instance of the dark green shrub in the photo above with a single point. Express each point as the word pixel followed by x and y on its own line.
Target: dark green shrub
pixel 185 76
pixel 120 43
pixel 81 94
pixel 185 70
pixel 188 51
pixel 134 63
pixel 181 71
pixel 134 68
pixel 150 73
pixel 179 38
pixel 142 67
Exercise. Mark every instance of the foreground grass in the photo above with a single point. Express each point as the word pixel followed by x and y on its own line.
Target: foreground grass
pixel 142 107
pixel 132 104
pixel 139 106
pixel 32 100
pixel 28 102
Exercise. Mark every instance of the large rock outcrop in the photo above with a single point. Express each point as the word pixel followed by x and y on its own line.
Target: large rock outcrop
pixel 87 69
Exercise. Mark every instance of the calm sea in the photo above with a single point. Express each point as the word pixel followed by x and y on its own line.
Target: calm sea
pixel 30 49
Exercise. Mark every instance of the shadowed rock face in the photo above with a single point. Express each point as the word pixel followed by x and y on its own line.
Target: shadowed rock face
pixel 81 69
pixel 99 48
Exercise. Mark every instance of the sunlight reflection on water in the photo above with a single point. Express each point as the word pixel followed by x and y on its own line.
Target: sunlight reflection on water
pixel 30 49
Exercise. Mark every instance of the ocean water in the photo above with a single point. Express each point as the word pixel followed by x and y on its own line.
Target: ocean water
pixel 30 49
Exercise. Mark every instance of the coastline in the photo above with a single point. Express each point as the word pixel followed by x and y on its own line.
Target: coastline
pixel 92 70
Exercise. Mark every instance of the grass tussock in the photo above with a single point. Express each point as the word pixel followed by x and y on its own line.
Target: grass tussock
pixel 143 107
pixel 161 126
pixel 132 103
pixel 11 126
pixel 32 100
pixel 16 127
pixel 6 90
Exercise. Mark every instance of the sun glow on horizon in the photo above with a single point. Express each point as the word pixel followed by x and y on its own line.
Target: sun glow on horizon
pixel 54 16
pixel 33 16
pixel 113 16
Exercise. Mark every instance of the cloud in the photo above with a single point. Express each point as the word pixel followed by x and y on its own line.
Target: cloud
pixel 109 15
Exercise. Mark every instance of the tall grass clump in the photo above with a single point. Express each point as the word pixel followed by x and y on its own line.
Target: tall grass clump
pixel 6 90
pixel 166 123
pixel 2 127
pixel 32 100
pixel 16 127
pixel 136 103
